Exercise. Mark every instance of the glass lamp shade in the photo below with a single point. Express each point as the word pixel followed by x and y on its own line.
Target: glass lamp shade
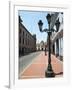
pixel 48 17
pixel 40 24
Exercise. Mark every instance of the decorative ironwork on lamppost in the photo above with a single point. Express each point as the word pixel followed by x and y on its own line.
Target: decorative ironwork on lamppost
pixel 49 72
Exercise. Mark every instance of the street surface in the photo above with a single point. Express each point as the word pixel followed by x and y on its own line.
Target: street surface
pixel 37 66
pixel 26 60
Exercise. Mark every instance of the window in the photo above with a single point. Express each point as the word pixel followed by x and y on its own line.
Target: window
pixel 26 35
pixel 26 42
pixel 19 30
pixel 23 33
pixel 23 40
pixel 19 39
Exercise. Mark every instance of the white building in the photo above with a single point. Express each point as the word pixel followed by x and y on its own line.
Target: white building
pixel 57 39
pixel 41 46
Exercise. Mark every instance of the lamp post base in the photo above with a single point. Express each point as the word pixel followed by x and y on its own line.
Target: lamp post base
pixel 49 72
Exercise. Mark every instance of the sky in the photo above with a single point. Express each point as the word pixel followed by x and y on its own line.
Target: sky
pixel 30 21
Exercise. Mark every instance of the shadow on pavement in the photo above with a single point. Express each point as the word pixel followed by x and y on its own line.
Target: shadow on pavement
pixel 59 73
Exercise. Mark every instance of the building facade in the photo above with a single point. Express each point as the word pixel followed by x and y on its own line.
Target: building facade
pixel 57 41
pixel 27 42
pixel 41 46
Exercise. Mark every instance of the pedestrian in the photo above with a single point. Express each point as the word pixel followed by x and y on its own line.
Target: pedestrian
pixel 45 51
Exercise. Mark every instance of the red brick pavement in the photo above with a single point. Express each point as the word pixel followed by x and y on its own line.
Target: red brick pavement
pixel 37 68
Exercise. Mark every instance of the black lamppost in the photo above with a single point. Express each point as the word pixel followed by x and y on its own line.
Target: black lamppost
pixel 49 72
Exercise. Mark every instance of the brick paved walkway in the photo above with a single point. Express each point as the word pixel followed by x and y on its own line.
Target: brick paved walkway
pixel 37 68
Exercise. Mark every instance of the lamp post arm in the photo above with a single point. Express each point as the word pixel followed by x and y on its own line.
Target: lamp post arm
pixel 44 30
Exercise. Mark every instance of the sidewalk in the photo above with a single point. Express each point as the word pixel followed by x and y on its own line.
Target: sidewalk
pixel 37 68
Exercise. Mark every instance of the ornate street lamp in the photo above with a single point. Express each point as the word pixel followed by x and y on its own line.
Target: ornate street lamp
pixel 40 23
pixel 49 72
pixel 48 17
